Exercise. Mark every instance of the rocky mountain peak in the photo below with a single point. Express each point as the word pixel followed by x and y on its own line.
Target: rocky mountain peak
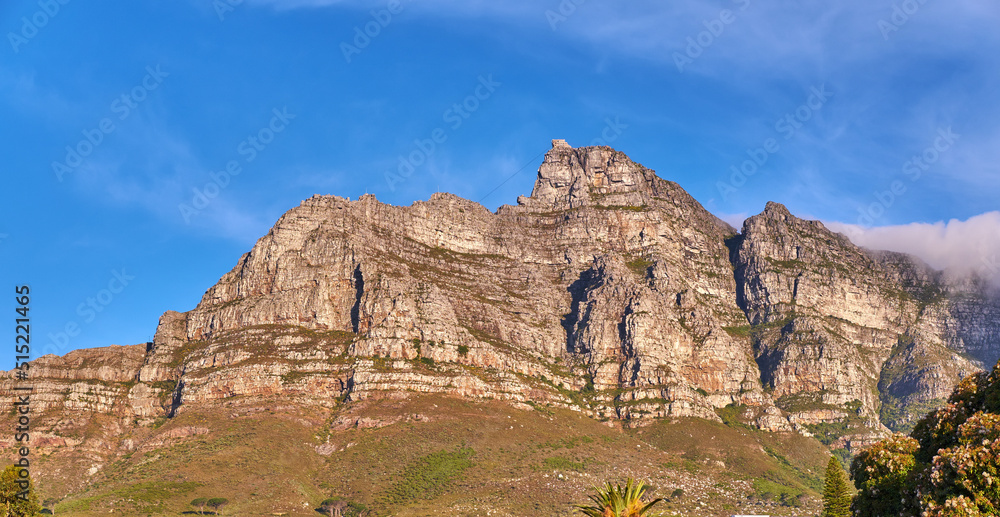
pixel 571 177
pixel 776 210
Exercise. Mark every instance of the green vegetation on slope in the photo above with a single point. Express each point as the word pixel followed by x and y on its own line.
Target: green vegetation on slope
pixel 434 453
pixel 429 476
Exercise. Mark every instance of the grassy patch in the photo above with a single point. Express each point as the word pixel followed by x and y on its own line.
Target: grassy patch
pixel 566 443
pixel 772 491
pixel 786 264
pixel 293 377
pixel 732 416
pixel 742 331
pixel 629 208
pixel 168 386
pixel 829 432
pixel 565 464
pixel 150 496
pixel 429 476
pixel 640 266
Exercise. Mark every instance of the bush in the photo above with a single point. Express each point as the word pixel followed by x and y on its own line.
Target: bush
pixel 950 465
pixel 561 463
pixel 619 501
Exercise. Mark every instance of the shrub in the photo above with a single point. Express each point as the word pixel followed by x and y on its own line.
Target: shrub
pixel 950 465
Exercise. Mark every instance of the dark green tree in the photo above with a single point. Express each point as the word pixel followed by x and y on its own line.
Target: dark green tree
pixel 13 501
pixel 334 507
pixel 200 504
pixel 836 491
pixel 217 504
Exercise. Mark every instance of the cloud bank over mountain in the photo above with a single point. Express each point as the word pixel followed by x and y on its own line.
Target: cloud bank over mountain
pixel 960 247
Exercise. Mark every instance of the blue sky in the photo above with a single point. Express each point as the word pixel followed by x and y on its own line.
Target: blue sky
pixel 833 101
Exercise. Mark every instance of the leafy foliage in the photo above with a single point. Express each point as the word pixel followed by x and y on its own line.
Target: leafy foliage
pixel 218 503
pixel 619 501
pixel 200 503
pixel 333 507
pixel 949 467
pixel 10 503
pixel 640 266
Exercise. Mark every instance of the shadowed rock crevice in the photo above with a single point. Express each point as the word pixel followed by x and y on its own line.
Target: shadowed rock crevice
pixel 175 399
pixel 359 291
pixel 578 292
pixel 733 244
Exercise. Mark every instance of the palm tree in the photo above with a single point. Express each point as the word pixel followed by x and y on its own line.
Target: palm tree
pixel 619 501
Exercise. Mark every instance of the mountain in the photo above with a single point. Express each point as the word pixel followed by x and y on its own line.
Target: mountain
pixel 609 293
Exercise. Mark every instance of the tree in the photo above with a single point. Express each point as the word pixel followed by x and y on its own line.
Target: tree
pixel 217 503
pixel 882 469
pixel 836 491
pixel 50 505
pixel 334 507
pixel 948 467
pixel 200 504
pixel 15 500
pixel 619 501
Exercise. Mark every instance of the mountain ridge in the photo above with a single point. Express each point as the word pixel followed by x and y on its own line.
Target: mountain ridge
pixel 609 291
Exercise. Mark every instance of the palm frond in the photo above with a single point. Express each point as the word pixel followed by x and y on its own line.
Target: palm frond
pixel 618 501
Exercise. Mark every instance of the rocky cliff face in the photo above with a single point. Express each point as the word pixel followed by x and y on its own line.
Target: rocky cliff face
pixel 608 290
pixel 840 325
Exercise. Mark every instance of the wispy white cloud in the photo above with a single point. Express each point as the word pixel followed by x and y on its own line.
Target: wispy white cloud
pixel 20 92
pixel 763 34
pixel 774 49
pixel 153 167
